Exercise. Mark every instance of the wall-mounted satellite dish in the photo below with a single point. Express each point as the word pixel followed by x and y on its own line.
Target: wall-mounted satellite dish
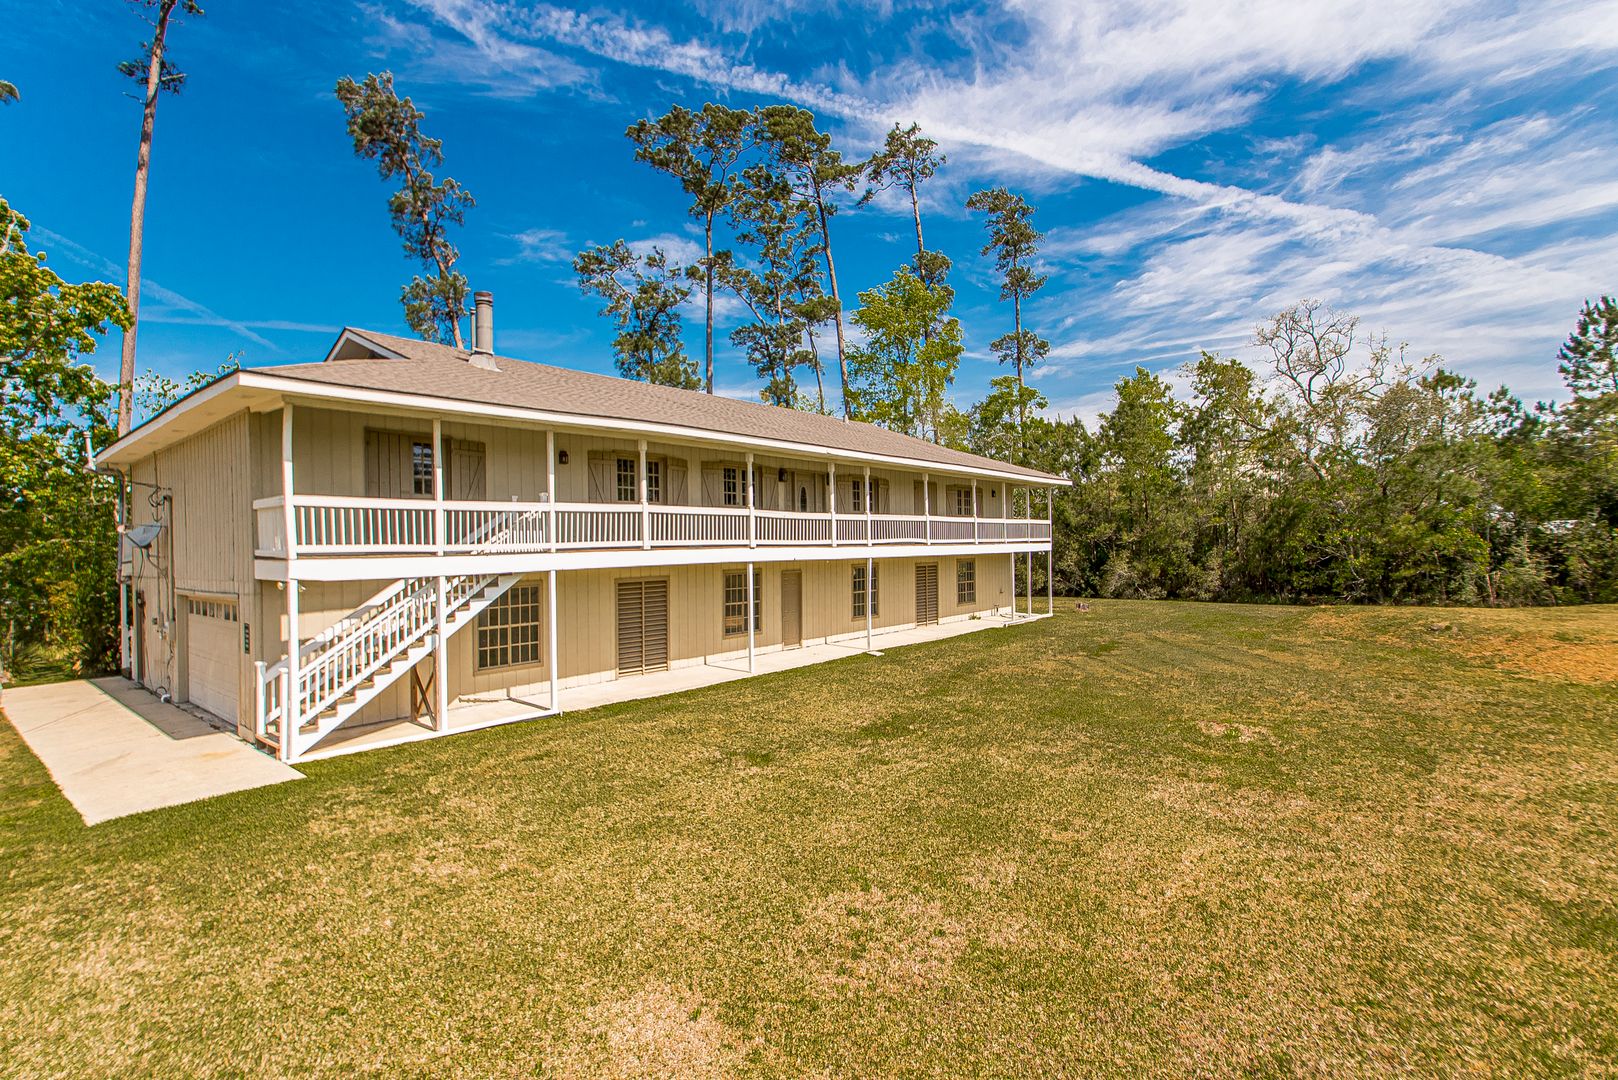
pixel 141 536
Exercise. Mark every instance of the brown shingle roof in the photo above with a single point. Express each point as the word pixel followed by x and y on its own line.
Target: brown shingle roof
pixel 425 368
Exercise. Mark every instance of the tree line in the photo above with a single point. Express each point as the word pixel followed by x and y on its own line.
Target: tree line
pixel 1338 469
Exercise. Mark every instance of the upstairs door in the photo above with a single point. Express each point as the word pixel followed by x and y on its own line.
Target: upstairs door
pixel 465 482
pixel 791 608
pixel 643 626
pixel 926 594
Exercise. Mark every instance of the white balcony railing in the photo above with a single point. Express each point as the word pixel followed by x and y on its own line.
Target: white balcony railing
pixel 344 525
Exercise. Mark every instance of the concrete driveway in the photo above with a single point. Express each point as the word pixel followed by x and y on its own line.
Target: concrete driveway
pixel 114 749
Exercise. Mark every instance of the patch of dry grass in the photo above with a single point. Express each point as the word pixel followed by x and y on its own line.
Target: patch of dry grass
pixel 1145 839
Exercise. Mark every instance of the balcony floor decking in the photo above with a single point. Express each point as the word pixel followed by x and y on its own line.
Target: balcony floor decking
pixel 485 710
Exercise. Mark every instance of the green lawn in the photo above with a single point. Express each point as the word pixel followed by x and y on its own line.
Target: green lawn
pixel 1149 838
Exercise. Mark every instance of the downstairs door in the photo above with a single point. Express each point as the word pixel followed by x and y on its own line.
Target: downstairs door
pixel 791 608
pixel 643 626
pixel 926 594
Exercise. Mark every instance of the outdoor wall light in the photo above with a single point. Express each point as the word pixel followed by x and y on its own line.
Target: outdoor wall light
pixel 561 457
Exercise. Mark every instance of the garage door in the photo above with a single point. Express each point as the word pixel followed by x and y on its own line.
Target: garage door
pixel 213 642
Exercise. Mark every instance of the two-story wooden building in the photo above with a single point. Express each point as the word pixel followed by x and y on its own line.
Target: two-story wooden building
pixel 453 539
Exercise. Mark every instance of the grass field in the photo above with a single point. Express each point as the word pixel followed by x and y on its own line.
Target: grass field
pixel 1150 838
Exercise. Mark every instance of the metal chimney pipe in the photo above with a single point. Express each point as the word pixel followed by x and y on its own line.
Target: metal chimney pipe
pixel 483 323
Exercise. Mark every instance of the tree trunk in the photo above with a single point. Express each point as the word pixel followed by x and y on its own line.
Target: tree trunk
pixel 915 209
pixel 708 328
pixel 137 215
pixel 831 273
pixel 1016 307
pixel 820 382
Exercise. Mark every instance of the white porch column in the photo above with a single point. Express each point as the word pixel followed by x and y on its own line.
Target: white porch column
pixel 752 529
pixel 440 661
pixel 831 498
pixel 869 539
pixel 927 504
pixel 438 483
pixel 550 499
pixel 1013 581
pixel 645 505
pixel 870 591
pixel 751 601
pixel 550 637
pixel 974 509
pixel 1050 550
pixel 290 716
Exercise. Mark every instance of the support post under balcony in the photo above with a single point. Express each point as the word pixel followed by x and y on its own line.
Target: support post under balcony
pixel 550 637
pixel 440 661
pixel 752 621
pixel 1050 550
pixel 870 590
pixel 290 713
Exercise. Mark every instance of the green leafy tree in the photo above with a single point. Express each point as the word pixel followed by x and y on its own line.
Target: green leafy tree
pixel 57 533
pixel 387 129
pixel 8 93
pixel 643 295
pixel 907 160
pixel 901 375
pixel 1014 243
pixel 814 173
pixel 157 75
pixel 702 150
pixel 775 227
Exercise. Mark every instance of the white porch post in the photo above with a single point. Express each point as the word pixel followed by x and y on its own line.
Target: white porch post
pixel 550 491
pixel 974 509
pixel 440 661
pixel 1050 550
pixel 752 527
pixel 870 598
pixel 645 505
pixel 1013 586
pixel 927 504
pixel 751 601
pixel 831 498
pixel 290 718
pixel 438 484
pixel 1028 531
pixel 550 637
pixel 869 539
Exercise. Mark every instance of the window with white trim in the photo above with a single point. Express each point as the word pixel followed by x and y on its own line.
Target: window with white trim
pixel 966 581
pixel 625 489
pixel 858 585
pixel 736 601
pixel 508 629
pixel 963 502
pixel 421 468
pixel 730 485
pixel 856 496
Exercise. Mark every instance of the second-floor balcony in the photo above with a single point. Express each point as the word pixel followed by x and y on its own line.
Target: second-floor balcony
pixel 326 525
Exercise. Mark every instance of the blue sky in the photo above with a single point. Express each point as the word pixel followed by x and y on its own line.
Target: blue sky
pixel 1447 170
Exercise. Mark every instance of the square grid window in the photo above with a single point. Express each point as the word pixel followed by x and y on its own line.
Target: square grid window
pixel 508 629
pixel 626 491
pixel 731 485
pixel 858 585
pixel 963 502
pixel 736 601
pixel 966 581
pixel 654 481
pixel 421 468
pixel 856 496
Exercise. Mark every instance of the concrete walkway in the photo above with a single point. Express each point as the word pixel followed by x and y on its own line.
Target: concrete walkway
pixel 114 749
